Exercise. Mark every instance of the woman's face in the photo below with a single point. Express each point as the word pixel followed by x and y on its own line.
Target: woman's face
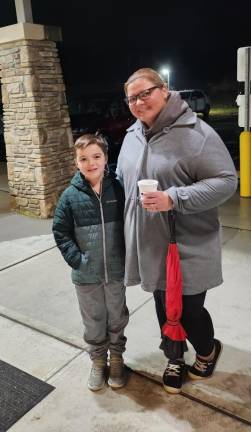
pixel 149 106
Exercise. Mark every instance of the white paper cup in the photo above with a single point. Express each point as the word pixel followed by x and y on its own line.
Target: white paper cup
pixel 147 185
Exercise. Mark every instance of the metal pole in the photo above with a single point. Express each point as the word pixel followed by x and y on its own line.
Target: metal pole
pixel 245 136
pixel 247 89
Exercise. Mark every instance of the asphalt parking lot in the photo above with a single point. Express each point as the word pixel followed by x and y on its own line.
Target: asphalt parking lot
pixel 228 129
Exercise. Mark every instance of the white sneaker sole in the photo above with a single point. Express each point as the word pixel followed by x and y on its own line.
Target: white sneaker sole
pixel 172 390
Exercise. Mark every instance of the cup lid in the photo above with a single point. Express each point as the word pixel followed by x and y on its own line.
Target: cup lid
pixel 148 181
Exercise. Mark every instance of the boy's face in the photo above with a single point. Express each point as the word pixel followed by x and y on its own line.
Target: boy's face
pixel 91 163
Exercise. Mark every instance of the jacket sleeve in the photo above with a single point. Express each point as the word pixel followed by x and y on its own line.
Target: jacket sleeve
pixel 63 231
pixel 215 175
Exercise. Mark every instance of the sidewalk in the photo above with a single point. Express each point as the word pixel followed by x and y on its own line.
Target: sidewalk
pixel 41 333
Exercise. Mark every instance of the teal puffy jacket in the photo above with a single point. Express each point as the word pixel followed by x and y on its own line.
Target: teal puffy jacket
pixel 89 232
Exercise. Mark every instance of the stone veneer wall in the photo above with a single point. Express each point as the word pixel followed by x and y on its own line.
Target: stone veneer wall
pixel 37 126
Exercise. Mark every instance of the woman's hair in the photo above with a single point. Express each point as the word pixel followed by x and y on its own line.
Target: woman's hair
pixel 147 73
pixel 87 139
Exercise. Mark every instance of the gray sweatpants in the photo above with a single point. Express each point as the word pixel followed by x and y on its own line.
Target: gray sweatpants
pixel 105 316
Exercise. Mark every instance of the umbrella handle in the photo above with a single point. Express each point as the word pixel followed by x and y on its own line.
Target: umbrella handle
pixel 171 222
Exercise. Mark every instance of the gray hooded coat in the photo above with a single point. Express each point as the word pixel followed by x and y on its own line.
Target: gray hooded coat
pixel 192 164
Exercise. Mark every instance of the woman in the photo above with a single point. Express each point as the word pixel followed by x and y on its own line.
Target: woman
pixel 169 143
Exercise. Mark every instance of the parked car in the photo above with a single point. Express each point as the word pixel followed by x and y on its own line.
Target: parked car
pixel 198 100
pixel 110 122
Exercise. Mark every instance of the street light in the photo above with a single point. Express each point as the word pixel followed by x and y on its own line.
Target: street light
pixel 166 73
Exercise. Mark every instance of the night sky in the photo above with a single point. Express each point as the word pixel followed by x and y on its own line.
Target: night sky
pixel 102 46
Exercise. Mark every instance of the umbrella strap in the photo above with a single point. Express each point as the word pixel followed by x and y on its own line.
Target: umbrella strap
pixel 173 323
pixel 171 222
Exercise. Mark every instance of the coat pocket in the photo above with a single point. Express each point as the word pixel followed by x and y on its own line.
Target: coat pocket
pixel 84 273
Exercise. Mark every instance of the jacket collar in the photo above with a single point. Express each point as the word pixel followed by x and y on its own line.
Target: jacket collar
pixel 81 183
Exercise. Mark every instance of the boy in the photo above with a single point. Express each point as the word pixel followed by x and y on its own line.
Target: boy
pixel 88 230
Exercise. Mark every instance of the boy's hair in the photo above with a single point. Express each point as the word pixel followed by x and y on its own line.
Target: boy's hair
pixel 87 139
pixel 148 73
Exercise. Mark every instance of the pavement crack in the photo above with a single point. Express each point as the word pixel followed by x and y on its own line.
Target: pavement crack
pixel 140 306
pixel 28 258
pixel 56 372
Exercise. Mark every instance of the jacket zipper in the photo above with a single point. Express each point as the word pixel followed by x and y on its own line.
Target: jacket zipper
pixel 99 198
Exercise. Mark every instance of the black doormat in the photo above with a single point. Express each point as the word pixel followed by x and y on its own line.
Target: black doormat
pixel 19 392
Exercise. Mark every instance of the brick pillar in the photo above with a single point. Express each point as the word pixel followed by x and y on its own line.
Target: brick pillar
pixel 36 121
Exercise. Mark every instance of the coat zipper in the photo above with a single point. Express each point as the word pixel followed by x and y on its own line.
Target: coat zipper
pixel 99 198
pixel 140 165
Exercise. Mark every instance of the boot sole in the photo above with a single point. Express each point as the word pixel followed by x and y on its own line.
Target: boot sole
pixel 198 377
pixel 116 386
pixel 94 389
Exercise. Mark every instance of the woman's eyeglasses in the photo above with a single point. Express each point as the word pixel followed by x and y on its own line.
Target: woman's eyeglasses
pixel 143 95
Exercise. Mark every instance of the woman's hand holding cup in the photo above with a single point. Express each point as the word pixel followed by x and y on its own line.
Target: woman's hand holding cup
pixel 151 199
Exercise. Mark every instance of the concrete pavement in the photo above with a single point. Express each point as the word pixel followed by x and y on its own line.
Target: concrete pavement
pixel 41 333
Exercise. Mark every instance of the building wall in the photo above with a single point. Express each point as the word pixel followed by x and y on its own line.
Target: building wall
pixel 37 126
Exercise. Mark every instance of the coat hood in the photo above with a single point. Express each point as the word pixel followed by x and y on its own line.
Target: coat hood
pixel 81 183
pixel 176 111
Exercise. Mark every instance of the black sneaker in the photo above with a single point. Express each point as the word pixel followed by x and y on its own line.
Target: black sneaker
pixel 173 376
pixel 204 368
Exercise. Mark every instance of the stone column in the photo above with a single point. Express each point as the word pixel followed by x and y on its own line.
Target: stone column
pixel 36 121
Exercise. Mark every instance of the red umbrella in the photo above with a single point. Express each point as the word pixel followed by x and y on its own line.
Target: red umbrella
pixel 173 329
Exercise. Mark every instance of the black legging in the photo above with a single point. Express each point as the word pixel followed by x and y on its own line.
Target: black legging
pixel 195 320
